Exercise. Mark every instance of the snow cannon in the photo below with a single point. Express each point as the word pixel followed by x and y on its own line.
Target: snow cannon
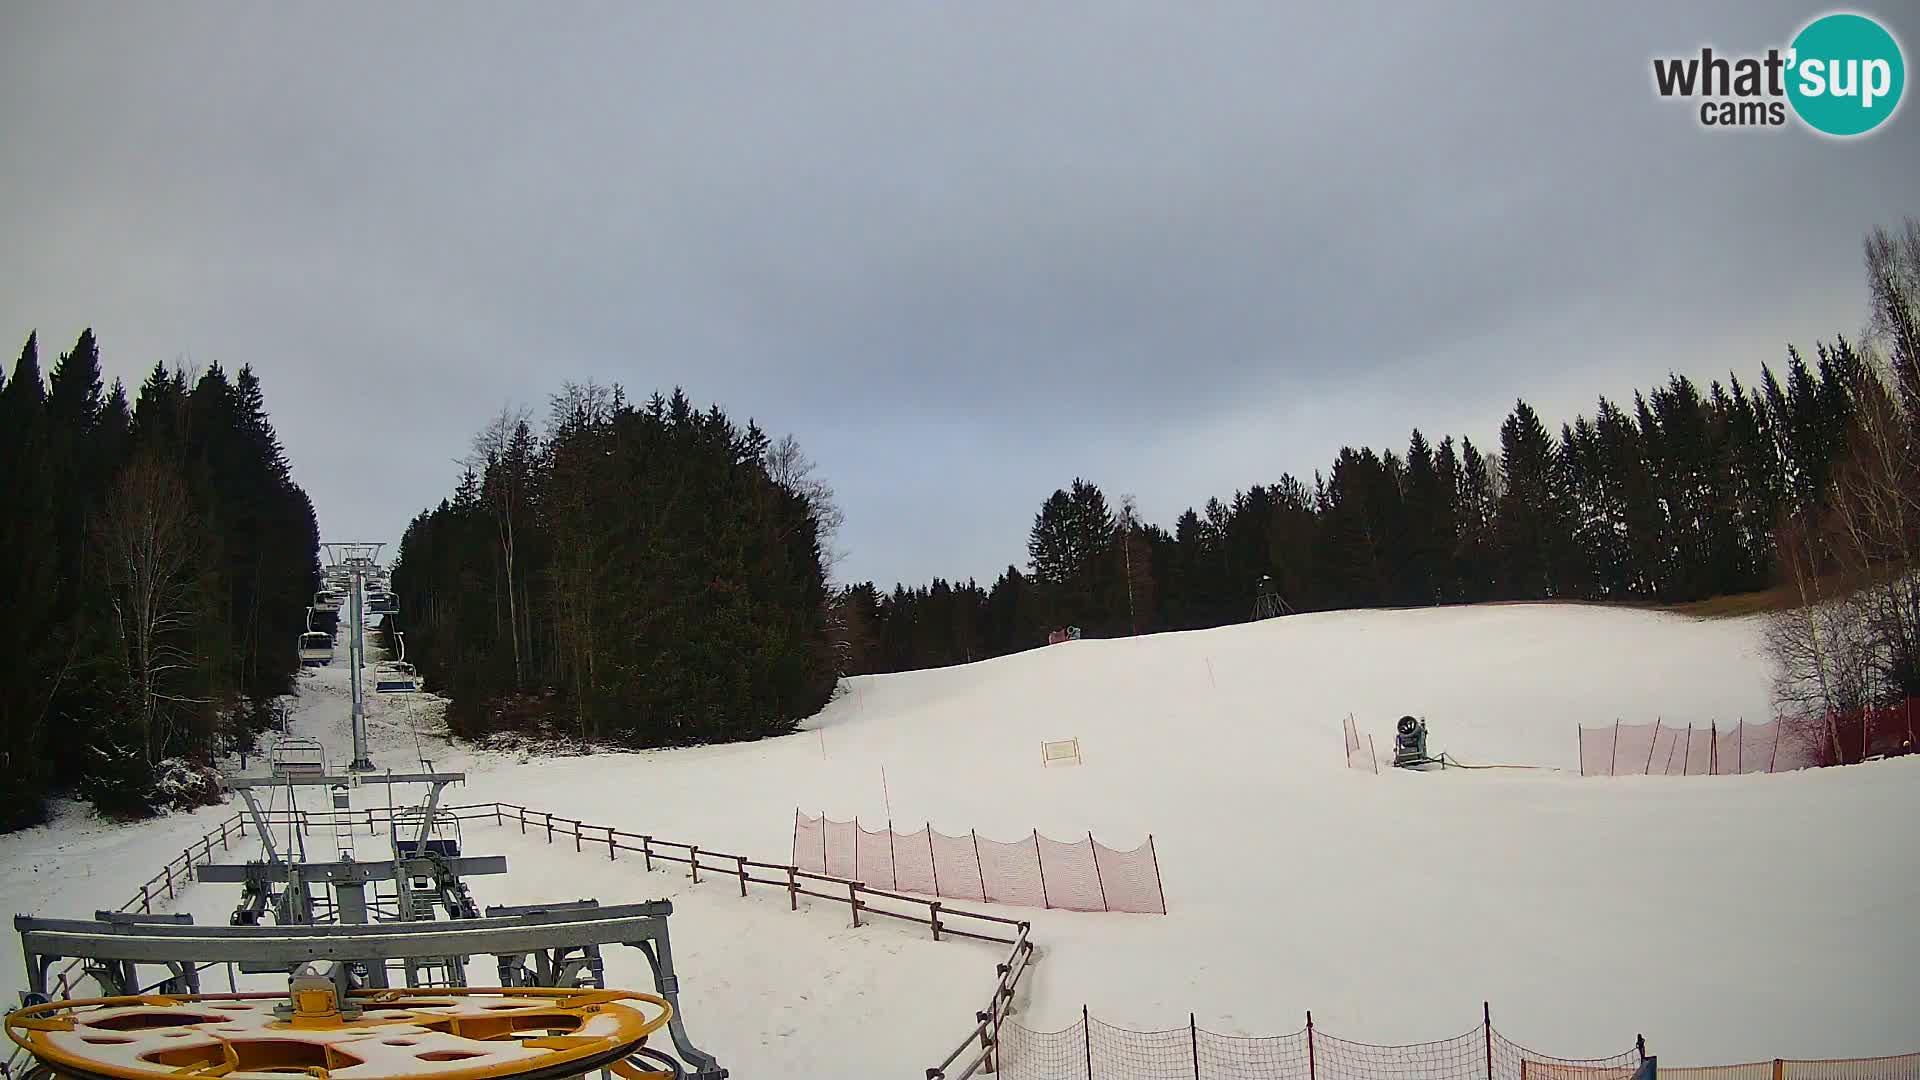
pixel 1410 745
pixel 440 1033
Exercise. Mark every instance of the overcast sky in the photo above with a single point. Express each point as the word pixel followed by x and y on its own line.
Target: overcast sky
pixel 964 252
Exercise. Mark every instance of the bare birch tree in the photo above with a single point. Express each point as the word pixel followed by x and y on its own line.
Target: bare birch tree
pixel 1854 640
pixel 146 536
pixel 505 493
pixel 791 468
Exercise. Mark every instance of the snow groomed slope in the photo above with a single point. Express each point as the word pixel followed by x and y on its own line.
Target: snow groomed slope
pixel 1729 918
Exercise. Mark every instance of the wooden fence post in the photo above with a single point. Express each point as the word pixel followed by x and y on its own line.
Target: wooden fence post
pixel 168 870
pixel 933 910
pixel 549 814
pixel 146 906
pixel 742 860
pixel 610 845
pixel 1095 853
pixel 646 851
pixel 793 889
pixel 496 812
pixel 577 826
pixel 853 900
pixel 693 862
pixel 523 819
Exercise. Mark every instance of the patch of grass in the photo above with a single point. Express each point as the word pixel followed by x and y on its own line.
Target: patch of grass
pixel 1732 606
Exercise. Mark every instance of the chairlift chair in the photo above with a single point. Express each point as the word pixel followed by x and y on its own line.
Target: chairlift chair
pixel 395 677
pixel 298 757
pixel 316 649
pixel 442 834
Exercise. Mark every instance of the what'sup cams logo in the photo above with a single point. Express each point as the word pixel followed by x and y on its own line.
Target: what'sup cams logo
pixel 1842 75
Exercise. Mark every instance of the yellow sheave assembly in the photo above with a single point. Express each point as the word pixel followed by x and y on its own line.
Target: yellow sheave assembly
pixel 465 1033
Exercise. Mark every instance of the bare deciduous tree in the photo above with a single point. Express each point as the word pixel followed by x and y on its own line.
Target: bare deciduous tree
pixel 791 468
pixel 505 494
pixel 1854 640
pixel 146 535
pixel 577 423
pixel 1893 276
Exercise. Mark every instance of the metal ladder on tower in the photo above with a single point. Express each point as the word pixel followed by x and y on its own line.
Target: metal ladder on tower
pixel 342 818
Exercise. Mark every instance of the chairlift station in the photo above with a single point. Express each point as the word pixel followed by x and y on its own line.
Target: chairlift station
pixel 375 946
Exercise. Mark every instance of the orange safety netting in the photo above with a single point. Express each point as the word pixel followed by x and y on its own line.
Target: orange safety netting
pixel 1035 871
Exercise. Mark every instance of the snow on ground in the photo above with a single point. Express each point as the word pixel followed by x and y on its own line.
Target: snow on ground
pixel 1727 918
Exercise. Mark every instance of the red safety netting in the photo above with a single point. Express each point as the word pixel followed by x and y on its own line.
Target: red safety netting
pixel 1091 1049
pixel 1715 749
pixel 1662 749
pixel 1035 871
pixel 913 863
pixel 873 862
pixel 1012 872
pixel 956 868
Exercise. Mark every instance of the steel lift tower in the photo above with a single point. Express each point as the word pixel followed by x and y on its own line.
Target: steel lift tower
pixel 358 558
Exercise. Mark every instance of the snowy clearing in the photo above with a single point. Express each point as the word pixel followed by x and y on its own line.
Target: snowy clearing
pixel 1728 918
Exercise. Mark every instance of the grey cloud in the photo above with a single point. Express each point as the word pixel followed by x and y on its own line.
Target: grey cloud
pixel 965 253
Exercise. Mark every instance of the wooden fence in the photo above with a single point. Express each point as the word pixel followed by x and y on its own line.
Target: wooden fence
pixel 974 1054
pixel 165 884
pixel 978 1051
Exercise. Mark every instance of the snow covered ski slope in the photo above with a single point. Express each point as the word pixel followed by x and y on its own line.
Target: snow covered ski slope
pixel 1728 918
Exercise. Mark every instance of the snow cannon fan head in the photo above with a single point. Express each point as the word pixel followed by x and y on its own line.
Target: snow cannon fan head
pixel 1410 742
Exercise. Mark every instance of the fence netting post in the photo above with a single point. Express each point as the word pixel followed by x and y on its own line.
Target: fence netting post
pixel 1486 1020
pixel 1041 866
pixel 1313 1068
pixel 1193 1035
pixel 1098 879
pixel 1086 1030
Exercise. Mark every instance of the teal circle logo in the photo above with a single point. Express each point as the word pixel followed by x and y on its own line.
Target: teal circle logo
pixel 1846 74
